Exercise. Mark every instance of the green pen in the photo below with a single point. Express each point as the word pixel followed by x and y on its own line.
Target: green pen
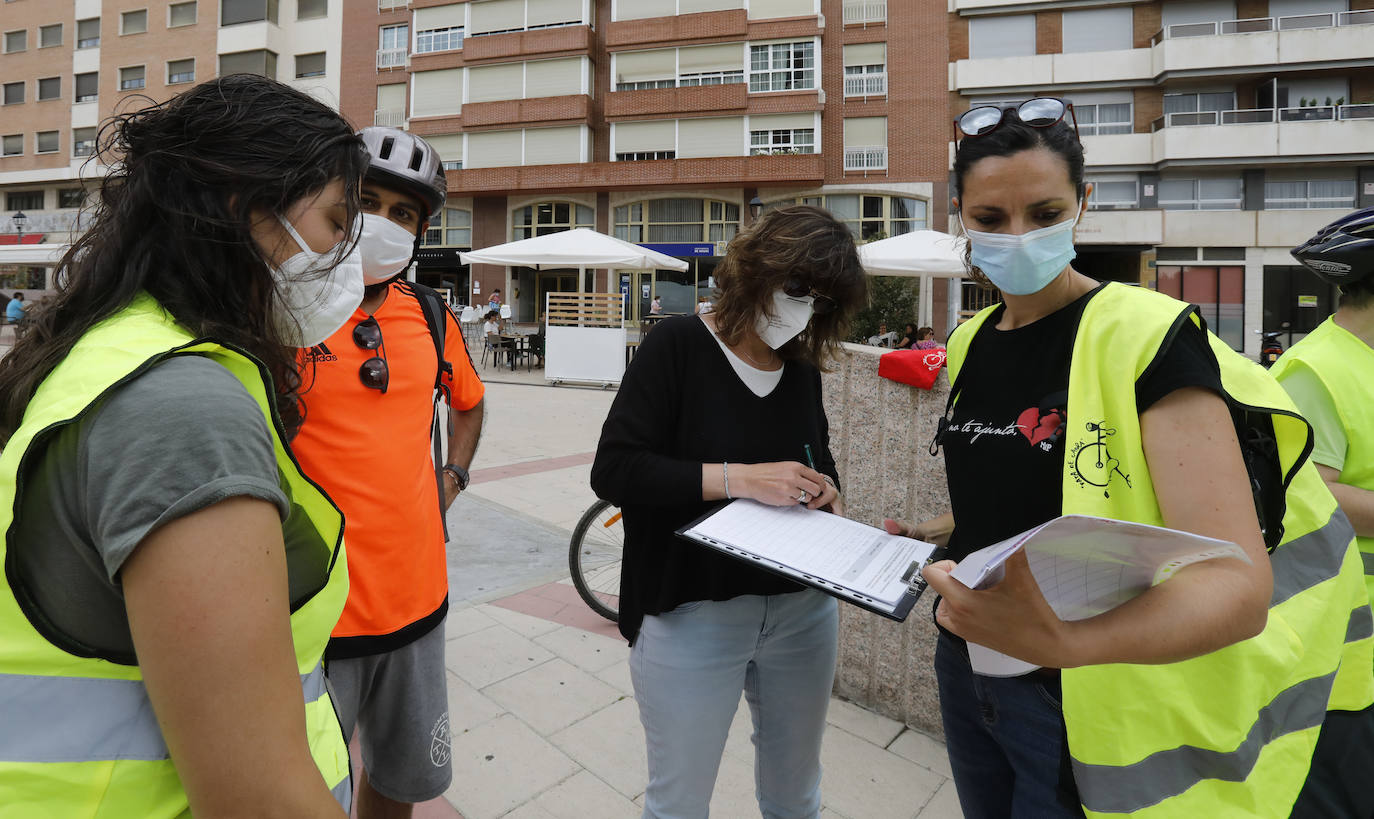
pixel 810 461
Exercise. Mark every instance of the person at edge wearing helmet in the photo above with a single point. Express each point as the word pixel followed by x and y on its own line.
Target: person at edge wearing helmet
pixel 1330 375
pixel 369 439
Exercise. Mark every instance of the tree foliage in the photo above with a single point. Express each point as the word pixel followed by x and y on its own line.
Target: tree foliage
pixel 891 300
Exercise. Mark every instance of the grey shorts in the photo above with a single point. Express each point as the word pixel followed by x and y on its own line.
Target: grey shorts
pixel 398 701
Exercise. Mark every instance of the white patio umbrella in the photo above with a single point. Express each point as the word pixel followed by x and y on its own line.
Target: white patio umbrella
pixel 581 248
pixel 918 253
pixel 46 254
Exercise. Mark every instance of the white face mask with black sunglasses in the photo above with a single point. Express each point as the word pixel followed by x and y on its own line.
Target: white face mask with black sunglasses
pixel 786 320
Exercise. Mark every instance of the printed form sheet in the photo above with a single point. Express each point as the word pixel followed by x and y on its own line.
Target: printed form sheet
pixel 826 547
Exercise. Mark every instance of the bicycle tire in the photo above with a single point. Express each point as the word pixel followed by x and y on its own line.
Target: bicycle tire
pixel 594 583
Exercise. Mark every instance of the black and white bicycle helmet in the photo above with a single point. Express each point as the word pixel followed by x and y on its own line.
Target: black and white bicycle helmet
pixel 407 161
pixel 1341 253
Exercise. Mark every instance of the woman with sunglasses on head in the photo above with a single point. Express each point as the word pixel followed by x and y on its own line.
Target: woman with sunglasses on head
pixel 1204 695
pixel 713 407
pixel 172 576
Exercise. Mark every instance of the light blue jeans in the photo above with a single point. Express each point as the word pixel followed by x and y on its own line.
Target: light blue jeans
pixel 689 666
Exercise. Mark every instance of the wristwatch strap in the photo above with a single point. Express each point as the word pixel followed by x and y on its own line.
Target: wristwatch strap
pixel 459 474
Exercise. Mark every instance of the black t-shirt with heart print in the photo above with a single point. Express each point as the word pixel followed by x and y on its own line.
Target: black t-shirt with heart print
pixel 1004 447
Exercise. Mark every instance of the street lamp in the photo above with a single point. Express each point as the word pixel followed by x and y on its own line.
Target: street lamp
pixel 755 207
pixel 20 222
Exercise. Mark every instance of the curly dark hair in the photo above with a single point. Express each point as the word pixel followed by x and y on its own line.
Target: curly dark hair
pixel 800 241
pixel 173 220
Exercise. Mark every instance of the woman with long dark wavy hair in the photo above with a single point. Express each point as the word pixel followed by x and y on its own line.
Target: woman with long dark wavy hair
pixel 171 576
pixel 717 406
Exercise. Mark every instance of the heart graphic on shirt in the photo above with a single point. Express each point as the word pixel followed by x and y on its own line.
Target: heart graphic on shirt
pixel 1038 426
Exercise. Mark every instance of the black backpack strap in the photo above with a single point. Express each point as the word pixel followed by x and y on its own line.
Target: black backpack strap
pixel 435 312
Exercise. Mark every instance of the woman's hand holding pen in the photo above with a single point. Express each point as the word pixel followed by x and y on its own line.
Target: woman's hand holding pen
pixel 781 484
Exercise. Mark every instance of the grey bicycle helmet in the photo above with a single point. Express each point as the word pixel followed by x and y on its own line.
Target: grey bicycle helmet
pixel 1341 253
pixel 407 161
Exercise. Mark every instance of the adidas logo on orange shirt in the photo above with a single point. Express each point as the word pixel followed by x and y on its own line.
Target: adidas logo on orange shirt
pixel 320 352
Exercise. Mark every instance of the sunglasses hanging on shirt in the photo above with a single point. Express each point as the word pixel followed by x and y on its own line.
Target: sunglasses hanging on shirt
pixel 374 373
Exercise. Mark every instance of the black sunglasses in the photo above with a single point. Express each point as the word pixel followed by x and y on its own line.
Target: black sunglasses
pixel 820 303
pixel 1040 112
pixel 374 372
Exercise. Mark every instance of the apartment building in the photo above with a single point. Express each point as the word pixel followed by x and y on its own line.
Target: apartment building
pixel 65 67
pixel 1218 134
pixel 658 121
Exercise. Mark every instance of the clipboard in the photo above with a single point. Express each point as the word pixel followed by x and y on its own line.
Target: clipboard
pixel 738 549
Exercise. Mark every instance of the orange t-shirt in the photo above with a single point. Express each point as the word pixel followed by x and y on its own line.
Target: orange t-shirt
pixel 372 453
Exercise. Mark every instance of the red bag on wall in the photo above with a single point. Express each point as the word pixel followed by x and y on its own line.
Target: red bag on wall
pixel 918 368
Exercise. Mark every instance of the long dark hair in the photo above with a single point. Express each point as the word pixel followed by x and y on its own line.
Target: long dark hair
pixel 1012 137
pixel 800 241
pixel 173 219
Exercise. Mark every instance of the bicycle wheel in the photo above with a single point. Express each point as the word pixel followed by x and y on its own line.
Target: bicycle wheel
pixel 594 554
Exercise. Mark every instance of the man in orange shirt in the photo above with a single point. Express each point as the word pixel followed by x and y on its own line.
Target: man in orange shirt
pixel 372 413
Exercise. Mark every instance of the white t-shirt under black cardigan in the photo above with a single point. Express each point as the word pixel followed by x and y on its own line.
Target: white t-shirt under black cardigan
pixel 681 404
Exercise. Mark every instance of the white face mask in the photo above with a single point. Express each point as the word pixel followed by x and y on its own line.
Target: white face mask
pixel 385 247
pixel 313 299
pixel 790 315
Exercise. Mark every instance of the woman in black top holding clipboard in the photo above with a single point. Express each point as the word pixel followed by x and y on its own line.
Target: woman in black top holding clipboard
pixel 719 406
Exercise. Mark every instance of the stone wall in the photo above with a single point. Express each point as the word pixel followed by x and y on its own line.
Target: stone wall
pixel 880 434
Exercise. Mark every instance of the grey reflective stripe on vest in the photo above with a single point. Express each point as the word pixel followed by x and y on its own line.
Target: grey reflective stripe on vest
pixel 1361 625
pixel 87 719
pixel 1127 788
pixel 1314 558
pixel 343 794
pixel 1368 558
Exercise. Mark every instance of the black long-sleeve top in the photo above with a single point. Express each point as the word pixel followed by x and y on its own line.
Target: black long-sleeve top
pixel 680 405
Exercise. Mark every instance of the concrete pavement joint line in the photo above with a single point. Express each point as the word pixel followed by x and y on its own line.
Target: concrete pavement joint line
pixel 531 467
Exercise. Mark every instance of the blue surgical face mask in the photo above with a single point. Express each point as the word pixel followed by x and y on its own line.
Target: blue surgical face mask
pixel 1023 264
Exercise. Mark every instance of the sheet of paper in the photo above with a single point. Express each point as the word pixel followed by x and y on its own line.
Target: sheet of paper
pixel 840 551
pixel 1085 566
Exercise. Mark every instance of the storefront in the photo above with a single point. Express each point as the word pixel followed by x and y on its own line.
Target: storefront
pixel 439 268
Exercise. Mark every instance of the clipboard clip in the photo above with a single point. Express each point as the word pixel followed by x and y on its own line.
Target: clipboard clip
pixel 914 579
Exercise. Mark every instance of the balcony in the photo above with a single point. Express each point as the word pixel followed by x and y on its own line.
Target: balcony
pixel 800 169
pixel 865 158
pixel 1286 132
pixel 526 44
pixel 1121 227
pixel 865 85
pixel 391 119
pixel 727 98
pixel 1263 41
pixel 733 23
pixel 388 58
pixel 864 13
pixel 534 111
pixel 392 5
pixel 991 73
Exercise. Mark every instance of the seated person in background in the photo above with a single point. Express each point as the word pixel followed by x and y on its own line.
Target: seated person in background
pixel 494 325
pixel 925 339
pixel 703 306
pixel 14 311
pixel 908 339
pixel 881 339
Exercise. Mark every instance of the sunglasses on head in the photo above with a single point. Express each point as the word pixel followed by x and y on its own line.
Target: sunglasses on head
pixel 1040 112
pixel 820 303
pixel 374 373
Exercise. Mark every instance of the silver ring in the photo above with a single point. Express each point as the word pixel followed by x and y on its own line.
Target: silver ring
pixel 802 497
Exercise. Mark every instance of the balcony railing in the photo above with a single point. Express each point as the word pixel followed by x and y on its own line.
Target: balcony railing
pixel 392 58
pixel 868 158
pixel 1316 113
pixel 865 85
pixel 1261 24
pixel 391 119
pixel 865 12
pixel 390 5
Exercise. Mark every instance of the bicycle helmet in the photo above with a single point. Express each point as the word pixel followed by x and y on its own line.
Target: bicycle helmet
pixel 408 161
pixel 1341 253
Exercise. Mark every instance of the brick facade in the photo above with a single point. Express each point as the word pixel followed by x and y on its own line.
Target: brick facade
pixel 1149 106
pixel 1251 9
pixel 1049 32
pixel 1147 19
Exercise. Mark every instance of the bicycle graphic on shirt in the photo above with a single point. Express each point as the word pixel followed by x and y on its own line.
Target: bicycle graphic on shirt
pixel 1093 464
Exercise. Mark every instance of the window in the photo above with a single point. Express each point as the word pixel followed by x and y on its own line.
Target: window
pixel 871 217
pixel 1309 193
pixel 677 220
pixel 49 36
pixel 87 87
pixel 635 156
pixel 782 141
pixel 1223 193
pixel 865 80
pixel 1104 118
pixel 16 41
pixel 262 62
pixel 181 14
pixel 181 71
pixel 131 78
pixel 1007 36
pixel 438 39
pixel 1113 193
pixel 710 78
pixel 310 65
pixel 46 142
pixel 83 141
pixel 88 33
pixel 1197 109
pixel 453 228
pixel 391 46
pixel 71 197
pixel 645 85
pixel 133 22
pixel 782 66
pixel 1098 30
pixel 551 217
pixel 24 200
pixel 49 88
pixel 13 93
pixel 308 9
pixel 12 145
pixel 865 143
pixel 232 12
pixel 1218 291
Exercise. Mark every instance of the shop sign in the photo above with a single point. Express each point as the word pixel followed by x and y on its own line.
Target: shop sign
pixel 682 249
